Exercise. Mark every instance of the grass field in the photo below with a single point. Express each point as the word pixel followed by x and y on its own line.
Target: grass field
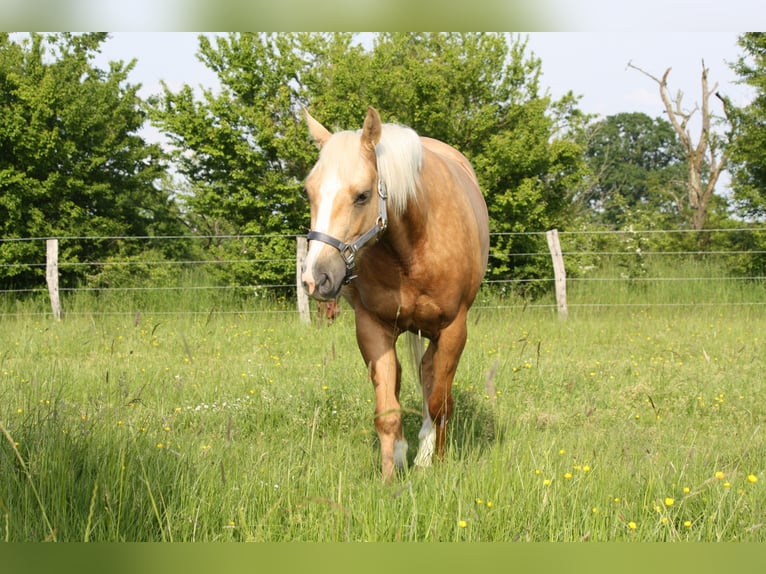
pixel 622 423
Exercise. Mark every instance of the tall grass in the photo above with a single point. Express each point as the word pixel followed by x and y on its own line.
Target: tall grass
pixel 621 423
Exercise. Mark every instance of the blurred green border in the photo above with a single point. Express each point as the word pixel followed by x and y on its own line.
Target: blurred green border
pixel 361 558
pixel 282 15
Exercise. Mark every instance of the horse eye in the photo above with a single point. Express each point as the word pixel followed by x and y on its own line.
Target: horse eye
pixel 362 198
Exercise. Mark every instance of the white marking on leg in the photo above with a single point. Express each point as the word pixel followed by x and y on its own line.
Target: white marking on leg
pixel 427 436
pixel 400 453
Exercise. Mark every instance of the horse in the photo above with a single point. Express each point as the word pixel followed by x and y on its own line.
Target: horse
pixel 399 228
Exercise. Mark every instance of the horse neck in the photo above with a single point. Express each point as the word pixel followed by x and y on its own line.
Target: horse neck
pixel 406 230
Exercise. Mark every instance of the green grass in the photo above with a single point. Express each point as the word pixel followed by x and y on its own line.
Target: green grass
pixel 224 426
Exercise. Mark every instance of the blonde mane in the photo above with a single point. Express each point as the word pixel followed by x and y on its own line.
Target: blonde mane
pixel 400 156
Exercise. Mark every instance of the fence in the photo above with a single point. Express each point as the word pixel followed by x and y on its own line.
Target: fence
pixel 586 258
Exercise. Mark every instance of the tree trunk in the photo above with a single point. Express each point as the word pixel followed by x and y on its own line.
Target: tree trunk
pixel 704 153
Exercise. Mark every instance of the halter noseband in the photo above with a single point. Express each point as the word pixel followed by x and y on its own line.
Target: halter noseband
pixel 348 251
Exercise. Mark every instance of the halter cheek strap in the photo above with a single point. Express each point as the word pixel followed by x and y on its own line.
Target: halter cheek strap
pixel 348 251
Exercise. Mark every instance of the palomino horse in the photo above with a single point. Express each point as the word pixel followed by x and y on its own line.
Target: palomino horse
pixel 399 228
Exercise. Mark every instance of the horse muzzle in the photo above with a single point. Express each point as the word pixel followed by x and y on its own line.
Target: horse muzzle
pixel 324 278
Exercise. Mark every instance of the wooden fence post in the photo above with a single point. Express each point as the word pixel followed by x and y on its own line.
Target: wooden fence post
pixel 559 272
pixel 303 299
pixel 52 275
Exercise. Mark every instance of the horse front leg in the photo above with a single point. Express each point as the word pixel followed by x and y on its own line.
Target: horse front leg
pixel 378 346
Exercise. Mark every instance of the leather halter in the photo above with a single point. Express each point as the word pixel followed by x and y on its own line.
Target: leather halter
pixel 348 251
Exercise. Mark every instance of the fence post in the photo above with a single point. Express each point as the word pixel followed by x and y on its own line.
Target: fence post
pixel 559 272
pixel 52 275
pixel 301 249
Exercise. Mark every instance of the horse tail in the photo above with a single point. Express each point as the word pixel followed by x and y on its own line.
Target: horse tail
pixel 417 350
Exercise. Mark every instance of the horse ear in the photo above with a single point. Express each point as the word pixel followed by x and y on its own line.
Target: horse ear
pixel 371 129
pixel 317 131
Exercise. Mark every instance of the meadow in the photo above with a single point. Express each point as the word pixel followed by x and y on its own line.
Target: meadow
pixel 629 422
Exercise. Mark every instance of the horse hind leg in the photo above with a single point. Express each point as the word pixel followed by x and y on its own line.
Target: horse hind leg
pixel 423 366
pixel 428 432
pixel 438 369
pixel 427 442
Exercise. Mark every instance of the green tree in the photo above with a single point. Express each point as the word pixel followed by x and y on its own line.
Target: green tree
pixel 244 150
pixel 71 161
pixel 749 168
pixel 480 93
pixel 531 171
pixel 638 169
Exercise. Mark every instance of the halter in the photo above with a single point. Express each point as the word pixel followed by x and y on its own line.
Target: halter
pixel 348 251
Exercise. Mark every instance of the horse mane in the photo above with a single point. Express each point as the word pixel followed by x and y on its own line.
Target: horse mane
pixel 400 157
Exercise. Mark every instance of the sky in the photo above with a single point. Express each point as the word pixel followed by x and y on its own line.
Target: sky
pixel 594 65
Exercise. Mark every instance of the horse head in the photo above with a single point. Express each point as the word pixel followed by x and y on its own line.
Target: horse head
pixel 348 204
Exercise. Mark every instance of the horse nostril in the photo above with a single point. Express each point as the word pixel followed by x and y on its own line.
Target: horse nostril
pixel 308 285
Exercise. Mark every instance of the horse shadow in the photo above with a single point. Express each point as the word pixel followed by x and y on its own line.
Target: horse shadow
pixel 473 427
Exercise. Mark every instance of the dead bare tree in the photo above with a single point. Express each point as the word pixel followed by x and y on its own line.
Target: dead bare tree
pixel 707 157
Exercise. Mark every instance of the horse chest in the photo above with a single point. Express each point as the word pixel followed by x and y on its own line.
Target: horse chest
pixel 405 310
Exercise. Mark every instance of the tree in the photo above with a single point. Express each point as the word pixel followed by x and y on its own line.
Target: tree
pixel 71 162
pixel 244 150
pixel 481 93
pixel 705 158
pixel 638 166
pixel 749 149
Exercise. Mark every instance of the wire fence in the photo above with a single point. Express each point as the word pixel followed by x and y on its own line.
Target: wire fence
pixel 628 268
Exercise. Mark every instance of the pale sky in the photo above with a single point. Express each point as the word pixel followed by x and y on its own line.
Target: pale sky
pixel 592 64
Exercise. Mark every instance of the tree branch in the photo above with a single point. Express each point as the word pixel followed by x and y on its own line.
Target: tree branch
pixel 699 195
